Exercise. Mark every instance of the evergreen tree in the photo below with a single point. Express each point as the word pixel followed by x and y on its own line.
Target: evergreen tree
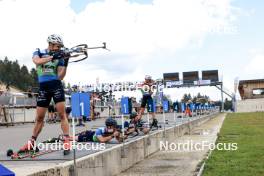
pixel 13 75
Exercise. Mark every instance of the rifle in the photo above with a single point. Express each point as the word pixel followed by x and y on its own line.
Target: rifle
pixel 79 52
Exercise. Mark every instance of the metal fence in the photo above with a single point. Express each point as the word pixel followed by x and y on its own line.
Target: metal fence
pixel 15 107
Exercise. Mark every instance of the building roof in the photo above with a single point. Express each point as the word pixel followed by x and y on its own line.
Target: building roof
pixel 251 81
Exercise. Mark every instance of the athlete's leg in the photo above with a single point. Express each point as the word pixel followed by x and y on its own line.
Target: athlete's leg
pixel 41 111
pixel 60 106
pixel 31 144
pixel 59 99
pixel 151 107
pixel 142 108
pixel 43 101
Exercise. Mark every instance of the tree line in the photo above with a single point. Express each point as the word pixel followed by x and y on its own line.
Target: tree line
pixel 13 74
pixel 206 99
pixel 198 98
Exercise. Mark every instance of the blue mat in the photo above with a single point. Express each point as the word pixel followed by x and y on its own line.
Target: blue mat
pixel 5 172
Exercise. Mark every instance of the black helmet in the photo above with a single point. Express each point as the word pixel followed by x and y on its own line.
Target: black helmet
pixel 110 122
pixel 133 115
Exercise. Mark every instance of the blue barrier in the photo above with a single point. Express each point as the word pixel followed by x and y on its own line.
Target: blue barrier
pixel 125 109
pixel 80 104
pixel 166 106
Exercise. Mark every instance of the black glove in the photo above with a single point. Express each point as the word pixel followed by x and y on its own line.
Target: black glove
pixel 58 55
pixel 66 61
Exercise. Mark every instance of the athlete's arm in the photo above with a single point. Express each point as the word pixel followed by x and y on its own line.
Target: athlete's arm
pixel 39 61
pixel 105 139
pixel 99 136
pixel 62 68
pixel 62 72
pixel 130 130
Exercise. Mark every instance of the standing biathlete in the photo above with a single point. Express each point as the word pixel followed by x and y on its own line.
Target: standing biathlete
pixel 51 69
pixel 147 99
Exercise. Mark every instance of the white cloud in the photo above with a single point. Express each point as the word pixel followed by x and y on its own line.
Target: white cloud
pixel 255 66
pixel 137 34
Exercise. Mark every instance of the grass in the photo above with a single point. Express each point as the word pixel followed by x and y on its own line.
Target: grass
pixel 247 130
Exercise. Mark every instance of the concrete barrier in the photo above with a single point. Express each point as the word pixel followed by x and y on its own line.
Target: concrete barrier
pixel 250 105
pixel 111 162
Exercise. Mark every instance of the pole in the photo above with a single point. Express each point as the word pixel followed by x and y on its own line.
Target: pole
pixel 148 120
pixel 175 124
pixel 234 103
pixel 14 102
pixel 192 111
pixel 123 140
pixel 182 114
pixel 222 97
pixel 123 130
pixel 149 126
pixel 74 149
pixel 164 121
pixel 24 109
pixel 174 116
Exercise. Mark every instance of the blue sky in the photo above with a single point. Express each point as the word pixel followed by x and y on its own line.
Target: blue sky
pixel 79 5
